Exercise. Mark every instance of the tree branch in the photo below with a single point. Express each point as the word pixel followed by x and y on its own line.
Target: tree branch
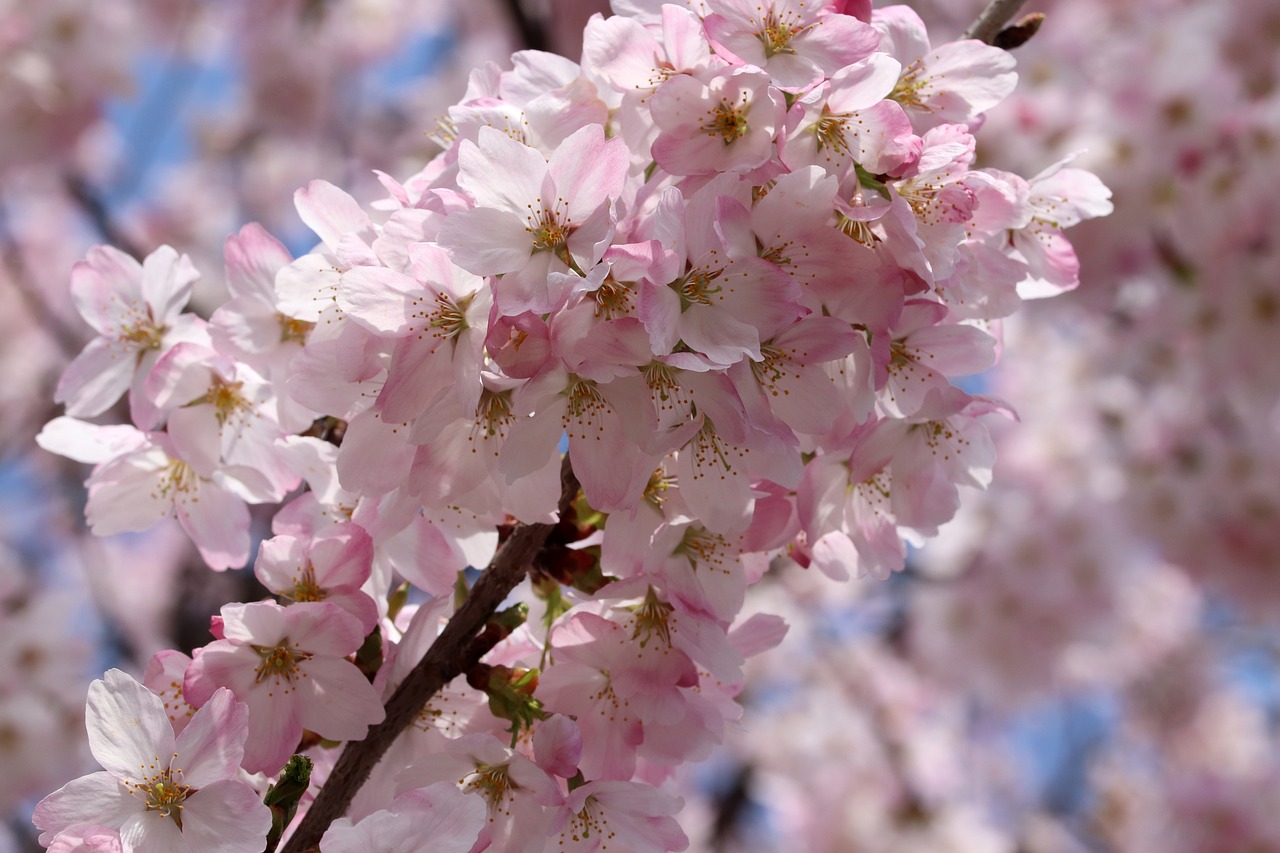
pixel 992 19
pixel 532 32
pixel 94 207
pixel 448 657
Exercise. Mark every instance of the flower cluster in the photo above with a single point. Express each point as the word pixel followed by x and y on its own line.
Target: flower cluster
pixel 728 267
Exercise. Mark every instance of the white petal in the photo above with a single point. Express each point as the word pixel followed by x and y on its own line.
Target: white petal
pixel 211 746
pixel 225 817
pixel 98 798
pixel 129 731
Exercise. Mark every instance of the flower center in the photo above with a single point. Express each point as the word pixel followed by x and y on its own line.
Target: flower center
pixel 776 34
pixel 703 549
pixel 550 230
pixel 178 478
pixel 493 417
pixel 305 587
pixel 727 121
pixel 293 331
pixel 226 399
pixel 652 620
pixel 613 298
pixel 493 783
pixel 161 793
pixel 279 662
pixel 449 318
pixel 830 131
pixel 907 91
pixel 696 287
pixel 589 819
pixel 142 333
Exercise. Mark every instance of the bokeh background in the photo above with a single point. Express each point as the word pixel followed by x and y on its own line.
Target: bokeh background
pixel 1085 660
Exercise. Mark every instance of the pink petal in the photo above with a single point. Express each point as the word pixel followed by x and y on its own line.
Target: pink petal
pixel 225 816
pixel 128 727
pixel 98 798
pixel 211 746
pixel 485 241
pixel 151 832
pixel 344 703
pixel 500 173
pixel 330 212
pixel 106 285
pixel 167 281
pixel 86 442
pixel 588 170
pixel 218 523
pixel 252 258
pixel 96 378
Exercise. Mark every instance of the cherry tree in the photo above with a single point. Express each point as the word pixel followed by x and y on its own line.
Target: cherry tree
pixel 535 450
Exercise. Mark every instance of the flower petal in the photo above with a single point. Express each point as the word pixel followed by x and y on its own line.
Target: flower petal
pixel 211 746
pixel 128 727
pixel 225 817
pixel 98 798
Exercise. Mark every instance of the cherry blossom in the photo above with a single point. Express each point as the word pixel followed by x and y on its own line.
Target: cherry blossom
pixel 287 664
pixel 158 792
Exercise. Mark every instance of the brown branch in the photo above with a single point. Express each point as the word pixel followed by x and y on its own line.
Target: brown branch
pixel 96 209
pixel 449 656
pixel 992 19
pixel 532 31
pixel 1020 32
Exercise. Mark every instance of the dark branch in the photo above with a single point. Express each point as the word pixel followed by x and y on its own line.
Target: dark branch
pixel 454 651
pixel 1019 33
pixel 992 19
pixel 532 32
pixel 94 208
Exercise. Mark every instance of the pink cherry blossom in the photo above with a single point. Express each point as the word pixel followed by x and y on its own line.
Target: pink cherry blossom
pixel 158 792
pixel 726 122
pixel 797 43
pixel 136 309
pixel 955 82
pixel 604 814
pixel 288 665
pixel 330 567
pixel 534 214
pixel 439 815
pixel 142 479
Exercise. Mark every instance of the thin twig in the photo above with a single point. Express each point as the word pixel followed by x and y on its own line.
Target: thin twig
pixel 992 19
pixel 448 657
pixel 96 209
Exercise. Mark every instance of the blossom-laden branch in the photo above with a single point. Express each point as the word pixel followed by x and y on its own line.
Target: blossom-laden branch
pixel 453 652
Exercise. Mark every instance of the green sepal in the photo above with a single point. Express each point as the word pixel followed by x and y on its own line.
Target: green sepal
pixel 870 181
pixel 460 589
pixel 510 619
pixel 369 655
pixel 511 698
pixel 283 797
pixel 557 605
pixel 398 600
